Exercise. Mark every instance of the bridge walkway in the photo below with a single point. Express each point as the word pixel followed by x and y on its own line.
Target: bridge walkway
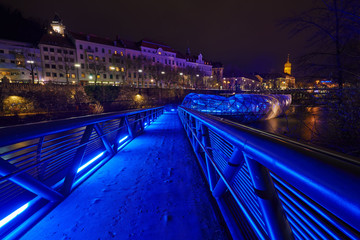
pixel 152 189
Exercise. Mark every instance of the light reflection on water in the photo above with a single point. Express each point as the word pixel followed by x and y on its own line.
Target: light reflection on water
pixel 312 125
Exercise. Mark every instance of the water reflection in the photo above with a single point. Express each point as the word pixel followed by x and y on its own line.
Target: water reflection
pixel 313 125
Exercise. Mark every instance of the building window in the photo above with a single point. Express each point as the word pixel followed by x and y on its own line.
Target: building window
pixel 60 59
pixel 165 61
pixel 117 76
pixel 47 65
pixel 103 50
pixel 54 74
pixel 2 60
pixel 82 66
pixel 47 74
pixel 104 75
pixel 82 75
pixel 65 52
pixel 129 74
pixel 121 53
pixel 71 52
pixel 61 67
pixel 81 56
pixel 98 76
pixel 111 76
pixel 73 75
pixel 96 49
pixel 134 57
pixel 110 60
pixel 68 75
pixel 91 57
pixel 122 69
pixel 51 49
pixel 153 59
pixel 1 51
pixel 52 58
pixel 46 57
pixel 53 66
pixel 97 58
pixel 134 74
pixel 109 51
pixel 61 75
pixel 59 51
pixel 115 52
pixel 45 49
pixel 103 59
pixel 81 47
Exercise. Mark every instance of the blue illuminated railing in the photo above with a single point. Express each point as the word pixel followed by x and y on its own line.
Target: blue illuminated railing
pixel 41 163
pixel 270 187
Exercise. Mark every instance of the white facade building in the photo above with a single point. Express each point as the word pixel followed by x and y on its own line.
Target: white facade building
pixel 18 61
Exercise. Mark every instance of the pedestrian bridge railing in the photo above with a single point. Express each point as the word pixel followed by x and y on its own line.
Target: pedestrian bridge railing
pixel 270 187
pixel 41 163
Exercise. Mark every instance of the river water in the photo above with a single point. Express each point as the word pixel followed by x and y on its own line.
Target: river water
pixel 317 126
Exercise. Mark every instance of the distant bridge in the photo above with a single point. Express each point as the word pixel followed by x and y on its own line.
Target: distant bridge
pixel 88 173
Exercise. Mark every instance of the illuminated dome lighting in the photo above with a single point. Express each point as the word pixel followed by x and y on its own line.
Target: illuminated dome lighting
pixel 242 107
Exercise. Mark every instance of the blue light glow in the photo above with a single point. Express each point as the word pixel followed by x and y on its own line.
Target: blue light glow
pixel 89 162
pixel 123 139
pixel 13 215
pixel 122 145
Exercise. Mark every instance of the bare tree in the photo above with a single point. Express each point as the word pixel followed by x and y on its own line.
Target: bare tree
pixel 333 26
pixel 96 67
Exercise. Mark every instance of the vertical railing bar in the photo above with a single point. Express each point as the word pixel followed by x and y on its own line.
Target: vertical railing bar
pixel 79 155
pixel 234 164
pixel 273 213
pixel 104 138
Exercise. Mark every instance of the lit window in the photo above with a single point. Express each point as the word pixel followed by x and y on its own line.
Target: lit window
pixel 98 76
pixel 121 53
pixel 68 75
pixel 115 52
pixel 82 75
pixel 117 69
pixel 73 76
pixel 122 69
pixel 91 57
pixel 97 58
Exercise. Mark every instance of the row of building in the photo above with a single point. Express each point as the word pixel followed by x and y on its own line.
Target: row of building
pixel 68 57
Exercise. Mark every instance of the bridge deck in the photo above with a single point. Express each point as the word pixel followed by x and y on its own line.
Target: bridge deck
pixel 152 189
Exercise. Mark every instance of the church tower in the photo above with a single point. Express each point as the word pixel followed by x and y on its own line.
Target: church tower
pixel 287 66
pixel 57 25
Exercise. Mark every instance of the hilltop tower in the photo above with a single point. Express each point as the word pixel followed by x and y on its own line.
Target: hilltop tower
pixel 287 66
pixel 57 25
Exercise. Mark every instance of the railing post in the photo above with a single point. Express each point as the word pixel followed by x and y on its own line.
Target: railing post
pixel 209 167
pixel 26 181
pixel 104 139
pixel 130 129
pixel 276 223
pixel 235 162
pixel 79 155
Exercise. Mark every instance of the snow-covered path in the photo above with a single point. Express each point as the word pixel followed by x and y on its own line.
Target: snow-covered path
pixel 152 189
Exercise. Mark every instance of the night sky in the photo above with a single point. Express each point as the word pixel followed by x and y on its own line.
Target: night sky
pixel 244 35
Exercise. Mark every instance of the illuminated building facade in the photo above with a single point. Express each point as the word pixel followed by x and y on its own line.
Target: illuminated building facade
pixel 287 66
pixel 19 61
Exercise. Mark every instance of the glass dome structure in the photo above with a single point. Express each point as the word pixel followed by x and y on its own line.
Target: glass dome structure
pixel 242 107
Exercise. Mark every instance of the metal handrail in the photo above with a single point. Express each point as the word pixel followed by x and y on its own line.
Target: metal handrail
pixel 14 134
pixel 330 180
pixel 48 159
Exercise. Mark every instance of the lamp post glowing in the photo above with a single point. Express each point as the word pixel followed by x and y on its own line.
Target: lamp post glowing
pixel 142 82
pixel 32 66
pixel 77 65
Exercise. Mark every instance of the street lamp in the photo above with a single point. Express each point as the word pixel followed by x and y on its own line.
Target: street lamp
pixel 32 66
pixel 140 71
pixel 77 65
